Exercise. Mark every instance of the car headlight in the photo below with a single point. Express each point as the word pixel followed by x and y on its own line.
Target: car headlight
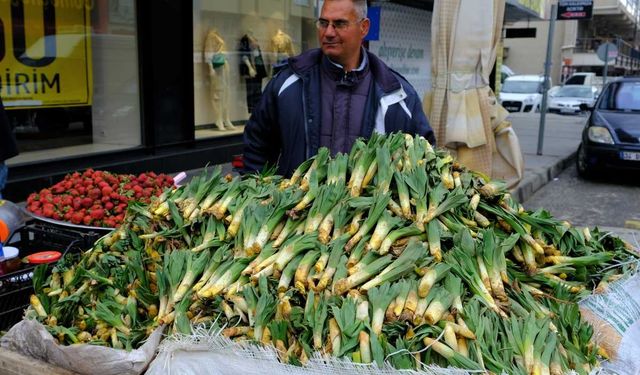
pixel 600 134
pixel 529 99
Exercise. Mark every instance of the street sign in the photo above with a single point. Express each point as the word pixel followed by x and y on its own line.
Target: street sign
pixel 574 9
pixel 607 52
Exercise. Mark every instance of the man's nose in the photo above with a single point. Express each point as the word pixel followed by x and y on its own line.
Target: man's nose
pixel 330 31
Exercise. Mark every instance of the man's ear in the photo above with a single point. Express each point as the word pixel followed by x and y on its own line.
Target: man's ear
pixel 364 27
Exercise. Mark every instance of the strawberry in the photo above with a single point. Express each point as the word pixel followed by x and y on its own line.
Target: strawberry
pixel 97 214
pixel 87 202
pixel 87 220
pixel 107 190
pixel 77 217
pixel 77 203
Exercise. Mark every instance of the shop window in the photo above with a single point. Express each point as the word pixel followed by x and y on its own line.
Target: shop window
pixel 69 76
pixel 237 48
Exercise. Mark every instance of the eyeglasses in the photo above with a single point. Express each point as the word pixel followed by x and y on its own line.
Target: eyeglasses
pixel 338 25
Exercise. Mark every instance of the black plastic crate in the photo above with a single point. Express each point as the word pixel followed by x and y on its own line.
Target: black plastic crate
pixel 17 287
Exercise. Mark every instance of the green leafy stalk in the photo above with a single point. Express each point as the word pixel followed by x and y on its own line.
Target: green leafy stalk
pixel 288 273
pixel 434 274
pixel 343 285
pixel 404 264
pixel 295 246
pixel 337 249
pixel 318 167
pixel 315 314
pixel 379 298
pixel 403 194
pixel 337 170
pixel 195 267
pixel 385 224
pixel 395 235
pixel 418 184
pixel 265 309
pixel 379 205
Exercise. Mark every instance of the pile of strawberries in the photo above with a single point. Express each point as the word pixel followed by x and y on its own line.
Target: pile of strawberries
pixel 96 198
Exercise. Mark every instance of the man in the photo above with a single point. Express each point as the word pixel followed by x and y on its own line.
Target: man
pixel 8 147
pixel 330 96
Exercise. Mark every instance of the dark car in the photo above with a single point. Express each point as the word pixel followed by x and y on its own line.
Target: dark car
pixel 611 137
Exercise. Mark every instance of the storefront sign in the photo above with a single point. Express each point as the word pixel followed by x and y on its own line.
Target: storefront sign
pixel 45 53
pixel 574 9
pixel 405 42
pixel 373 13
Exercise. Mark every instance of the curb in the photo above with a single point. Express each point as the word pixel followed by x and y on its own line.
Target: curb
pixel 535 179
pixel 632 224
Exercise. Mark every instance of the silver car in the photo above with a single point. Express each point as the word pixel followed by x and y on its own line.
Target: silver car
pixel 570 98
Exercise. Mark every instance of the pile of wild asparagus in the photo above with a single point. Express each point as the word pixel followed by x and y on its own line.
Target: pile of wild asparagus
pixel 394 253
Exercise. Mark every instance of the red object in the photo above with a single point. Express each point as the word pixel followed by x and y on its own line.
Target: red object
pixel 44 257
pixel 237 161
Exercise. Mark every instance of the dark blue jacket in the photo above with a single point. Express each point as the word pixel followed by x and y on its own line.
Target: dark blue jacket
pixel 284 129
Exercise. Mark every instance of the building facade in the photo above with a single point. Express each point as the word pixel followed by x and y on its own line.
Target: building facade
pixel 576 42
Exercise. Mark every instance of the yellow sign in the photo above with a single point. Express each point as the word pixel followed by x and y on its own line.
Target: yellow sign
pixel 45 53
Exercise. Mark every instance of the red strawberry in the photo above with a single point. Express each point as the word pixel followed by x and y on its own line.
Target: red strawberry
pixel 107 190
pixel 87 202
pixel 97 213
pixel 77 217
pixel 77 203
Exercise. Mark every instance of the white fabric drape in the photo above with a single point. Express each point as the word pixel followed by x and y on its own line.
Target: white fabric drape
pixel 462 108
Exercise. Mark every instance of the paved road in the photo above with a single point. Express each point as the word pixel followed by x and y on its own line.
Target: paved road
pixel 609 202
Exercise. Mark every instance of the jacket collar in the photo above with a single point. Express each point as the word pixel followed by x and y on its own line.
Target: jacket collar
pixel 383 76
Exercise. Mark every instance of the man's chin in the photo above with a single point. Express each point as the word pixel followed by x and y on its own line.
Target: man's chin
pixel 331 51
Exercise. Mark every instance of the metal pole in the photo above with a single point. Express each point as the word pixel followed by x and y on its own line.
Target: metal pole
pixel 545 83
pixel 606 63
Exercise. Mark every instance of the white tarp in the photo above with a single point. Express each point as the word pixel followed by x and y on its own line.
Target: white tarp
pixel 32 339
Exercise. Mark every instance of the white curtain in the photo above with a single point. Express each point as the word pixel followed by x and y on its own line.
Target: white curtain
pixel 462 108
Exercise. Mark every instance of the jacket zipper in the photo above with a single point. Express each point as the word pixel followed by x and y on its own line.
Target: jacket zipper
pixel 306 119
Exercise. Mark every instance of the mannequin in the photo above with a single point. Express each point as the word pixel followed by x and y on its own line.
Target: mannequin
pixel 252 69
pixel 282 48
pixel 216 59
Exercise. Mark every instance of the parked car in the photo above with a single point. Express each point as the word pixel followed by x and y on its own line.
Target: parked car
pixel 505 72
pixel 584 79
pixel 611 137
pixel 522 93
pixel 570 99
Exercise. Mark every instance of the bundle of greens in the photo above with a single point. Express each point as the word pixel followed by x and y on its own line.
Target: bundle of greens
pixel 393 253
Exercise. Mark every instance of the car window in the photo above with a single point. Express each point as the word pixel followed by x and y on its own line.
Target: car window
pixel 521 87
pixel 575 80
pixel 621 96
pixel 575 92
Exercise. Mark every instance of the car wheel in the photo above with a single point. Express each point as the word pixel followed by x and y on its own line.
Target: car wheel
pixel 581 163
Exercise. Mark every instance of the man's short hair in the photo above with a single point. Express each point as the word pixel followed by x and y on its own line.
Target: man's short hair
pixel 361 8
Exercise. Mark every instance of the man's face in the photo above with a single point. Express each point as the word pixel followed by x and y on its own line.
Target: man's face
pixel 342 43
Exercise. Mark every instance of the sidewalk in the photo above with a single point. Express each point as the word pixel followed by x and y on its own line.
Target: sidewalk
pixel 561 139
